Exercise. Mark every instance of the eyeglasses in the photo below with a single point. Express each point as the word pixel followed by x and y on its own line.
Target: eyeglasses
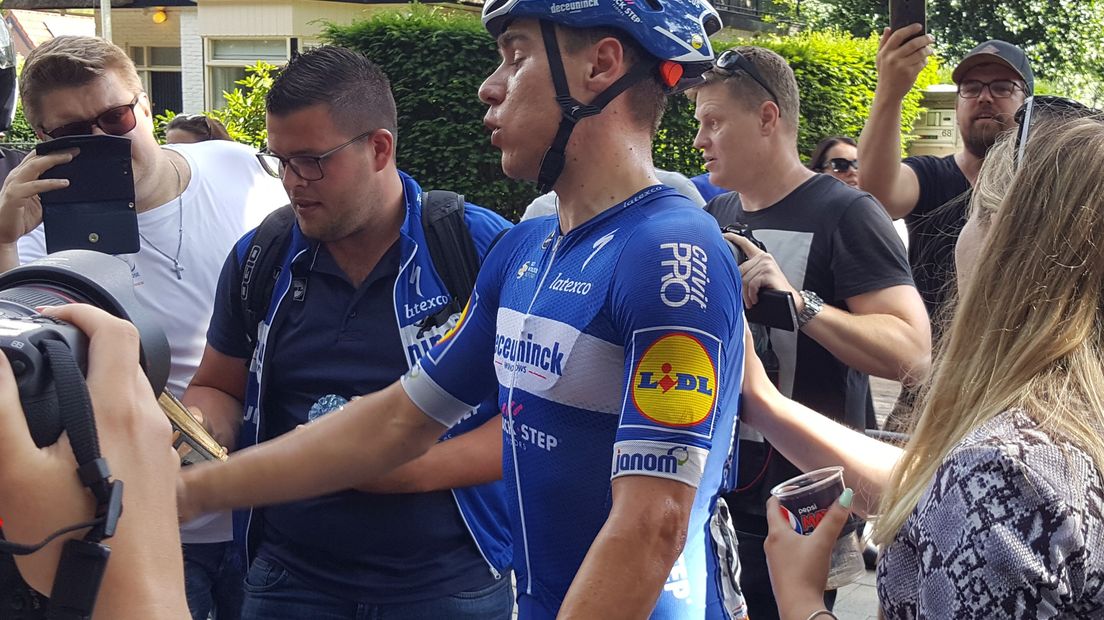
pixel 839 164
pixel 116 121
pixel 306 167
pixel 732 62
pixel 1050 108
pixel 1000 89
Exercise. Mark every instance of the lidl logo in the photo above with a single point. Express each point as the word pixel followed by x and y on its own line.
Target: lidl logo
pixel 674 382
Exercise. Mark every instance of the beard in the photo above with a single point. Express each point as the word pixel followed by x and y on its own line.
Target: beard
pixel 981 136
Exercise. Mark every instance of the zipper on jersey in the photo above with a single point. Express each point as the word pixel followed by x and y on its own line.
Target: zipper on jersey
pixel 510 417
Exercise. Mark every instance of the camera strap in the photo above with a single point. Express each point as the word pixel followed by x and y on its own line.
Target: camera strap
pixel 83 562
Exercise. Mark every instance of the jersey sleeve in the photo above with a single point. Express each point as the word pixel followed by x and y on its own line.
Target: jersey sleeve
pixel 457 374
pixel 677 304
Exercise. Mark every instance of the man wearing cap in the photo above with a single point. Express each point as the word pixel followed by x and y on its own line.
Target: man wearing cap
pixel 931 192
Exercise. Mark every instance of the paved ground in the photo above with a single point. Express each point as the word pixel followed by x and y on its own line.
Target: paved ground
pixel 859 601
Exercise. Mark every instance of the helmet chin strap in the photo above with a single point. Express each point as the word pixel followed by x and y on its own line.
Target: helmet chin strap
pixel 573 110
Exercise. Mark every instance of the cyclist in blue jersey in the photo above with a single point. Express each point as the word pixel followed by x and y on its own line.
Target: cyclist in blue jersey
pixel 612 335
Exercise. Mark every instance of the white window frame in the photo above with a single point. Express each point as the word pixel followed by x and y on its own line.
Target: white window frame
pixel 210 63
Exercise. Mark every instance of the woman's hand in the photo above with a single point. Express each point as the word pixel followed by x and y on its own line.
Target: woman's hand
pixel 799 564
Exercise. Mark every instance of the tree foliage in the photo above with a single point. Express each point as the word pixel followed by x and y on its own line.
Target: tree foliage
pixel 1063 38
pixel 243 114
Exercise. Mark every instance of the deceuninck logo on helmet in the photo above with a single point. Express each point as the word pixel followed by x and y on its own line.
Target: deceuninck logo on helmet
pixel 674 380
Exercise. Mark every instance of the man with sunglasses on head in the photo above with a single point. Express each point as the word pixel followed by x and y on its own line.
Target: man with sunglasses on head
pixel 830 247
pixel 192 202
pixel 929 192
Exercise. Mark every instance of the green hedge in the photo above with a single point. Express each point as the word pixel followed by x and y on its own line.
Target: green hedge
pixel 436 60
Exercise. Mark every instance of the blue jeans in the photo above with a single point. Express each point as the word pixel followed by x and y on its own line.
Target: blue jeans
pixel 213 578
pixel 272 593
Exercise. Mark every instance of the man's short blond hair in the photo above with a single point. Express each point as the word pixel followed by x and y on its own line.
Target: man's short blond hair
pixel 70 61
pixel 775 71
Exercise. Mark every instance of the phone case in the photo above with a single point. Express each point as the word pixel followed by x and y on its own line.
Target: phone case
pixel 905 12
pixel 96 212
pixel 775 309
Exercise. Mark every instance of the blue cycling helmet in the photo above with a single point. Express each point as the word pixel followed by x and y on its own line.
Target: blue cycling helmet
pixel 675 33
pixel 675 30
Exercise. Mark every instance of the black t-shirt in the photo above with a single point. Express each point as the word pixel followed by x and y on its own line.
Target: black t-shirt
pixel 933 226
pixel 838 242
pixel 9 159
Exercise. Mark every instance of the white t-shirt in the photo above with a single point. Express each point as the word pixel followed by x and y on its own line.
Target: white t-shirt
pixel 545 204
pixel 228 195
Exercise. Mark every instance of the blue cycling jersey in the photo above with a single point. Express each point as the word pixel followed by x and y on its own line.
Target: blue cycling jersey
pixel 616 350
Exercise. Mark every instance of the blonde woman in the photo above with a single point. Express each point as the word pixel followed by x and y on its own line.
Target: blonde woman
pixel 995 508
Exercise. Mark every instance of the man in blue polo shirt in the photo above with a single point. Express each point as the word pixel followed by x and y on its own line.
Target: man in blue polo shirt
pixel 355 296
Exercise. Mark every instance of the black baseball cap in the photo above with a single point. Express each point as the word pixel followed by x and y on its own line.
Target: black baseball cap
pixel 999 52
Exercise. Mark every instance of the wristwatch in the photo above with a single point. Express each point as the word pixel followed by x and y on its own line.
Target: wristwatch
pixel 813 305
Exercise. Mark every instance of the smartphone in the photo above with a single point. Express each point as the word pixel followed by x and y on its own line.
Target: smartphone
pixel 96 212
pixel 905 12
pixel 775 309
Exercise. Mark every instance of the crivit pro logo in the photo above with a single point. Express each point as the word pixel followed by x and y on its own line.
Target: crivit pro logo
pixel 689 273
pixel 674 381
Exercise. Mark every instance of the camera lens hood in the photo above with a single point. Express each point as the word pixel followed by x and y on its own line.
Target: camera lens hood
pixel 102 280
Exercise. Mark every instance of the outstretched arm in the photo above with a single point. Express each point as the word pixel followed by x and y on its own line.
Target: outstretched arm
pixel 471 459
pixel 811 441
pixel 372 434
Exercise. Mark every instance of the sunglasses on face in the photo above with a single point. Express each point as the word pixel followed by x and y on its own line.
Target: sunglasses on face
pixel 1048 108
pixel 116 121
pixel 306 167
pixel 999 89
pixel 732 62
pixel 841 165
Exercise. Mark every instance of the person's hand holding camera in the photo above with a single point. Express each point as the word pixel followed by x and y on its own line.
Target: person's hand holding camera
pixel 760 271
pixel 902 55
pixel 40 493
pixel 20 208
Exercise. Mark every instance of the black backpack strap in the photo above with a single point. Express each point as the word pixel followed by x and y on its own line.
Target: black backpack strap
pixel 261 268
pixel 451 249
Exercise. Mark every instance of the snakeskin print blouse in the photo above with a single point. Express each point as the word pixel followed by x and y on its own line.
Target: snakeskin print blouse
pixel 1012 526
